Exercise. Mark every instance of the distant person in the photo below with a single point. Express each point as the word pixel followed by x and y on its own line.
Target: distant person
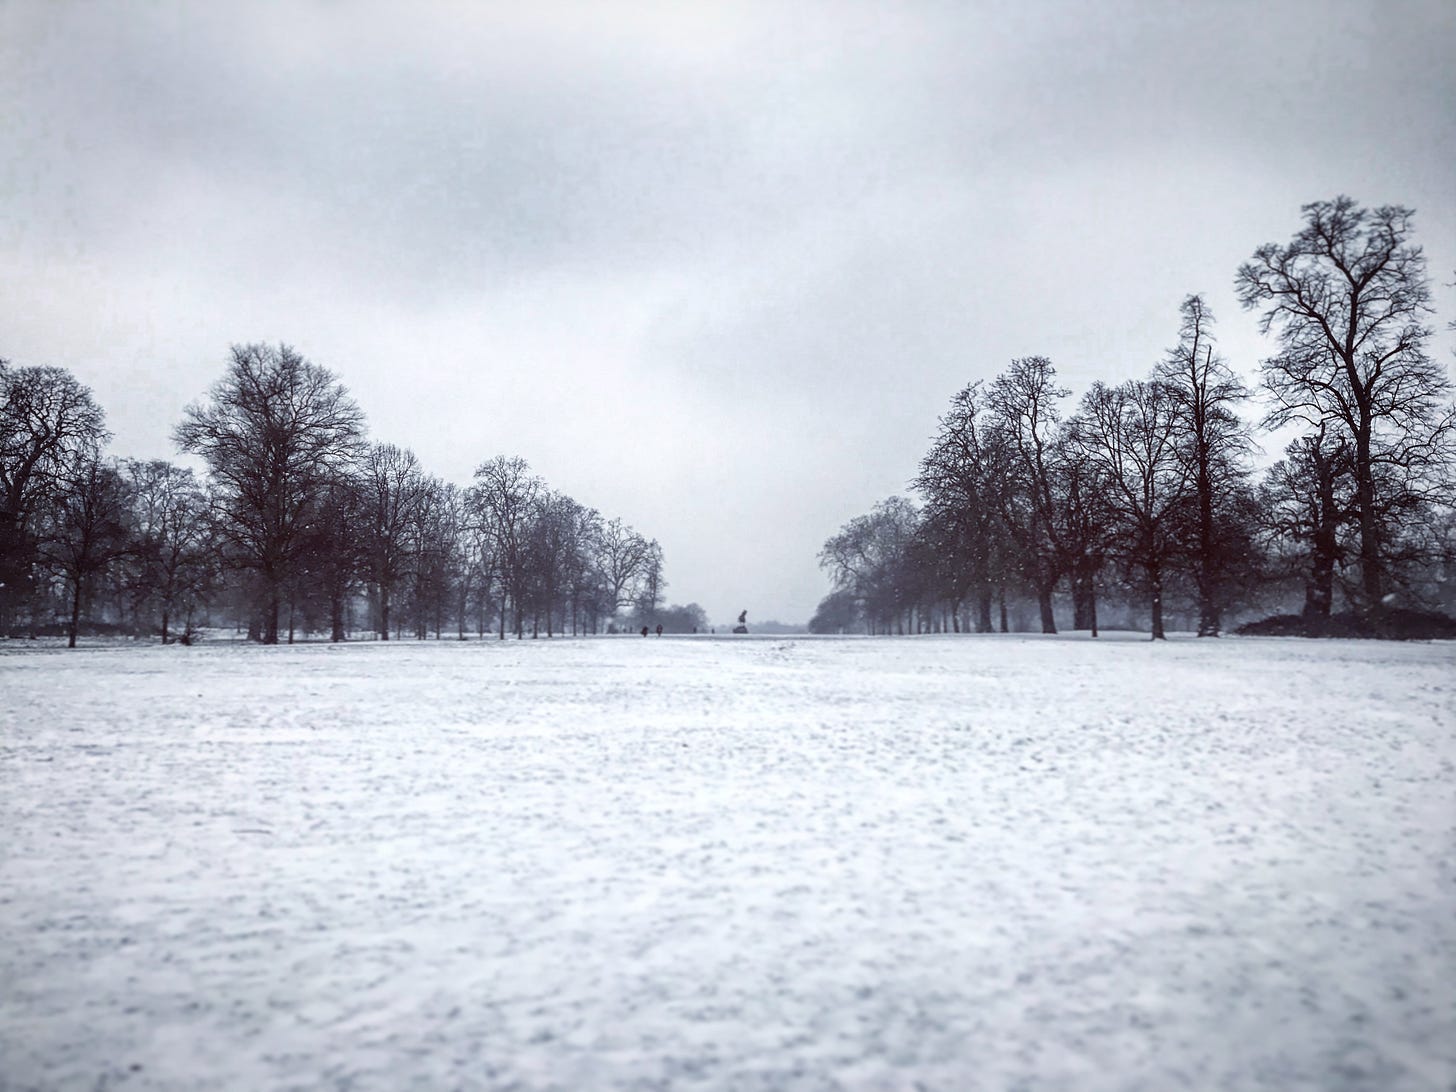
pixel 659 629
pixel 644 631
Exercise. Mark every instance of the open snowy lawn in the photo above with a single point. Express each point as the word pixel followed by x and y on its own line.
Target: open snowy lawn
pixel 950 863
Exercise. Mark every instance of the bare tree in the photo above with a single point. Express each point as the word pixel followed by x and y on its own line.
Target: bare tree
pixel 336 548
pixel 1213 443
pixel 479 570
pixel 1085 523
pixel 1024 400
pixel 1349 298
pixel 869 559
pixel 551 542
pixel 1130 433
pixel 174 557
pixel 623 556
pixel 437 568
pixel 958 479
pixel 49 428
pixel 501 502
pixel 274 431
pixel 1307 503
pixel 88 530
pixel 651 583
pixel 391 485
pixel 581 574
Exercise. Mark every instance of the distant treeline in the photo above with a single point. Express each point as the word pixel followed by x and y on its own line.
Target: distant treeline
pixel 1146 494
pixel 301 526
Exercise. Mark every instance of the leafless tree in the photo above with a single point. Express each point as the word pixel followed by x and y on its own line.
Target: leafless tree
pixel 501 502
pixel 274 431
pixel 50 427
pixel 88 530
pixel 582 580
pixel 870 559
pixel 1307 501
pixel 651 583
pixel 438 565
pixel 1349 298
pixel 1130 433
pixel 1214 445
pixel 174 560
pixel 958 479
pixel 391 485
pixel 1085 522
pixel 337 548
pixel 1023 401
pixel 623 556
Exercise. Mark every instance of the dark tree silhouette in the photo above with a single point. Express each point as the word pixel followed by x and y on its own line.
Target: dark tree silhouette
pixel 89 530
pixel 1023 401
pixel 391 486
pixel 275 431
pixel 959 481
pixel 502 502
pixel 174 559
pixel 870 559
pixel 1349 298
pixel 49 428
pixel 1307 504
pixel 1214 445
pixel 1130 433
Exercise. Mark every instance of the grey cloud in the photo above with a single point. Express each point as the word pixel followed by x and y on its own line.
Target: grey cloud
pixel 774 237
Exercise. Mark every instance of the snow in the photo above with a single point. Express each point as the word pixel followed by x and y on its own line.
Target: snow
pixel 940 862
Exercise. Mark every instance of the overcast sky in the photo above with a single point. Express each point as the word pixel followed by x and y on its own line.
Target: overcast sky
pixel 714 268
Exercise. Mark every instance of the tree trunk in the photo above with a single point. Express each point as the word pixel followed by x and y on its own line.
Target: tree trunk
pixel 1044 604
pixel 1324 549
pixel 164 626
pixel 1319 587
pixel 1084 598
pixel 336 618
pixel 1004 627
pixel 1206 569
pixel 75 612
pixel 1371 584
pixel 983 609
pixel 1155 585
pixel 1319 593
pixel 271 612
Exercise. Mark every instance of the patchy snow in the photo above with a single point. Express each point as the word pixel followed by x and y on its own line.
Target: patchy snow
pixel 952 863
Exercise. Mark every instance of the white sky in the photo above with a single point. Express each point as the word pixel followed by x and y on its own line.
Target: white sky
pixel 714 268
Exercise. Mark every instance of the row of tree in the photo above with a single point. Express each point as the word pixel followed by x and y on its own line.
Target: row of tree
pixel 300 525
pixel 1148 488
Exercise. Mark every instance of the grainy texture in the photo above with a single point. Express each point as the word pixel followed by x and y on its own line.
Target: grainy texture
pixel 975 862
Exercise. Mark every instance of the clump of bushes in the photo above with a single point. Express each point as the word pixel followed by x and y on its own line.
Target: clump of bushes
pixel 1394 624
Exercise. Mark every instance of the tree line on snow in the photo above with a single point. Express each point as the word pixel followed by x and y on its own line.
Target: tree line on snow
pixel 1145 494
pixel 301 524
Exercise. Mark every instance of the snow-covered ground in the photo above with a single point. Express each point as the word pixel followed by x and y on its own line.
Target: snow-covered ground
pixel 949 863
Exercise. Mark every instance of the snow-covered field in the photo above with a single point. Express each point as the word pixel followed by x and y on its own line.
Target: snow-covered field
pixel 949 863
